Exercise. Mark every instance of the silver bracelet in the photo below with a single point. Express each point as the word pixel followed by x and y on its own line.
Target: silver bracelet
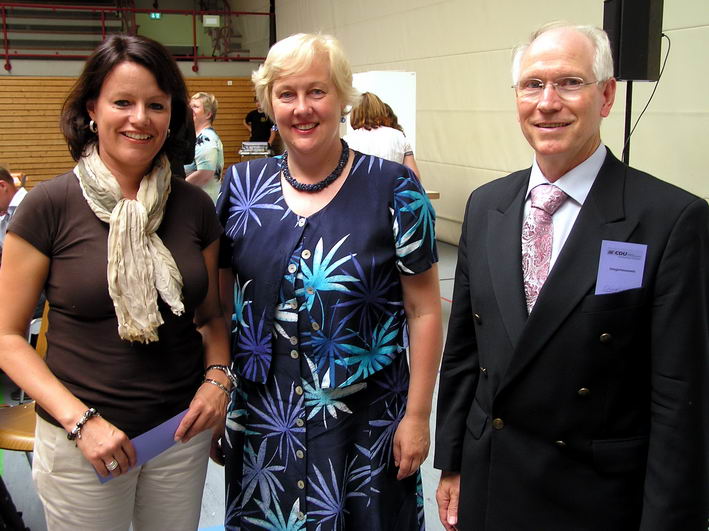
pixel 76 432
pixel 226 370
pixel 219 385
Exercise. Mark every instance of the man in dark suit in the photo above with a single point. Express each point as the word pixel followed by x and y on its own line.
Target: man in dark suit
pixel 573 384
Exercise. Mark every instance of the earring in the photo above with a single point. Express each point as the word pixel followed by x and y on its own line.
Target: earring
pixel 168 133
pixel 93 127
pixel 343 119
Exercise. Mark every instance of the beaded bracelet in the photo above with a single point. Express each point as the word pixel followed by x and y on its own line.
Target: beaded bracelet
pixel 226 370
pixel 76 432
pixel 219 385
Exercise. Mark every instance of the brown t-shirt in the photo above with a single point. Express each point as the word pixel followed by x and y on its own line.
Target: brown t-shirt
pixel 134 386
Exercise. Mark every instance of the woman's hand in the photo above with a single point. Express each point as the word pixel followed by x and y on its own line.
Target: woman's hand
pixel 411 443
pixel 102 444
pixel 207 410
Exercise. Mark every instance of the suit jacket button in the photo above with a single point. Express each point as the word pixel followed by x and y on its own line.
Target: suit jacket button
pixel 498 423
pixel 483 370
pixel 606 337
pixel 476 317
pixel 584 391
pixel 560 444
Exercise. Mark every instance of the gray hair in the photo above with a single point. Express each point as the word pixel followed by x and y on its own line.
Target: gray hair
pixel 602 58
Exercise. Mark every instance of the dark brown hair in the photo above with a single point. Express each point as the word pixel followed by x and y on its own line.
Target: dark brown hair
pixel 117 49
pixel 6 176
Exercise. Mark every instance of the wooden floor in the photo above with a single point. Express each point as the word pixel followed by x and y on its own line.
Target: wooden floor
pixel 15 469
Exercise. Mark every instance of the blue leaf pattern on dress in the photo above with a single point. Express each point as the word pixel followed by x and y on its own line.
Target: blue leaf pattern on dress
pixel 379 354
pixel 261 473
pixel 275 520
pixel 321 398
pixel 319 278
pixel 244 201
pixel 240 303
pixel 320 349
pixel 254 347
pixel 279 421
pixel 368 297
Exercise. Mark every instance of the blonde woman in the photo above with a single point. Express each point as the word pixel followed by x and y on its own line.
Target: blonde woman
pixel 205 170
pixel 334 256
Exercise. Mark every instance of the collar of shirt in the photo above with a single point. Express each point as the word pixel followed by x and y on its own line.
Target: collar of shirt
pixel 16 199
pixel 578 181
pixel 577 184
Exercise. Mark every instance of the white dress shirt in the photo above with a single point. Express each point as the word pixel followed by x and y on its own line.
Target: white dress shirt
pixel 576 183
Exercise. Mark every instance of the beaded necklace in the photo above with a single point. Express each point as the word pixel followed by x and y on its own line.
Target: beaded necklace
pixel 327 181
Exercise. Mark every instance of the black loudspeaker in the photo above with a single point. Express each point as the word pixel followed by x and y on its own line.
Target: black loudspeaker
pixel 634 28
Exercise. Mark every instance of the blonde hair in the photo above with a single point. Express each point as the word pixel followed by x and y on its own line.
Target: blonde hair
pixel 295 54
pixel 209 103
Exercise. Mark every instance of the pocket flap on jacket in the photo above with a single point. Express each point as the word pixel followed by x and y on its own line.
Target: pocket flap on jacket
pixel 476 420
pixel 619 456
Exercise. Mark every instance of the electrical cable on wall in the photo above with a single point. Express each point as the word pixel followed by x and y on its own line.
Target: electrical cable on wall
pixel 659 77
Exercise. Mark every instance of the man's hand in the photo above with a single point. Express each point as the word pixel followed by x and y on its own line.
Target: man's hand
pixel 447 497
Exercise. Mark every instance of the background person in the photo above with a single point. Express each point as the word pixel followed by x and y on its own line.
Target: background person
pixel 206 169
pixel 333 257
pixel 577 400
pixel 373 132
pixel 259 125
pixel 127 255
pixel 10 197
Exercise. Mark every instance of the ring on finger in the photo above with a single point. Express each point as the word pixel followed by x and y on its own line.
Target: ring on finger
pixel 112 465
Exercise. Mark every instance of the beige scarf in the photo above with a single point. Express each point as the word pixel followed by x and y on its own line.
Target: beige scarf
pixel 139 264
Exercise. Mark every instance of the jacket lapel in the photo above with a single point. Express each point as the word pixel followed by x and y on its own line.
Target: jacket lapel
pixel 602 217
pixel 505 256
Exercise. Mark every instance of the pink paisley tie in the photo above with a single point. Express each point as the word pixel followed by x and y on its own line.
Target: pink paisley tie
pixel 537 237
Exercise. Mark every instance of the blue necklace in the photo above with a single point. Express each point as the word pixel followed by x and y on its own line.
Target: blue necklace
pixel 327 181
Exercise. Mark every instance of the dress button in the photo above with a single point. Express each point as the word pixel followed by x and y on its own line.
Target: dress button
pixel 606 337
pixel 560 444
pixel 299 422
pixel 301 222
pixel 498 423
pixel 476 317
pixel 298 390
pixel 315 326
pixel 301 484
pixel 300 454
pixel 301 516
pixel 305 254
pixel 584 391
pixel 483 370
pixel 293 340
pixel 294 354
pixel 292 268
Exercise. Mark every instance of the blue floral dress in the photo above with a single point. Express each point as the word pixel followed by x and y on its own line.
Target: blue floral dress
pixel 320 348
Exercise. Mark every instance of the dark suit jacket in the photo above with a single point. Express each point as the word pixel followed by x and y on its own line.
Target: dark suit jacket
pixel 591 413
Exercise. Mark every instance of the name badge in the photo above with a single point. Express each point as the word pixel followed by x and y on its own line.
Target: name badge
pixel 620 267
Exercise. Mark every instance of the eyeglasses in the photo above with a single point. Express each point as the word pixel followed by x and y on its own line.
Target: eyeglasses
pixel 567 88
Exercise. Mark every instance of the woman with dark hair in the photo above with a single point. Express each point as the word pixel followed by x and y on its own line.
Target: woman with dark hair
pixel 376 131
pixel 127 255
